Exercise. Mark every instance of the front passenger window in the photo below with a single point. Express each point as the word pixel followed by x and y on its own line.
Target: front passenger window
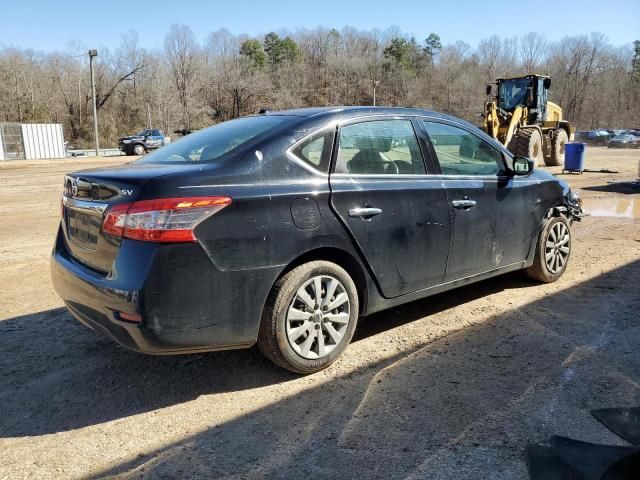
pixel 460 152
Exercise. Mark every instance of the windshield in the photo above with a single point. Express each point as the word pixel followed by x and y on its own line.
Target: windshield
pixel 211 143
pixel 513 93
pixel 142 133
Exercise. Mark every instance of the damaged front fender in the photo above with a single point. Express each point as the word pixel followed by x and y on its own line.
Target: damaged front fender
pixel 571 207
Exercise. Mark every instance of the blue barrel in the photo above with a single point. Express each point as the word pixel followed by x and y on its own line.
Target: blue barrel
pixel 574 156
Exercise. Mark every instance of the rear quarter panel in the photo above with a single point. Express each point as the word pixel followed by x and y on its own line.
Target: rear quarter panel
pixel 280 210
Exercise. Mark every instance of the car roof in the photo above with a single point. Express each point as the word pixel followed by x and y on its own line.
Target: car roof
pixel 347 112
pixel 318 115
pixel 358 111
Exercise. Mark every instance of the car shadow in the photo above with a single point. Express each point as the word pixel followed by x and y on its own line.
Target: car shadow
pixel 57 375
pixel 626 188
pixel 461 407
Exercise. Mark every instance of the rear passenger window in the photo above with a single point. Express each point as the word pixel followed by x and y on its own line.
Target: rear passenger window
pixel 462 153
pixel 381 147
pixel 316 150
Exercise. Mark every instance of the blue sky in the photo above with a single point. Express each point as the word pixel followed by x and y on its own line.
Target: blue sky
pixel 47 25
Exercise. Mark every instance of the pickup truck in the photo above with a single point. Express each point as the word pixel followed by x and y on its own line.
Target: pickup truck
pixel 142 142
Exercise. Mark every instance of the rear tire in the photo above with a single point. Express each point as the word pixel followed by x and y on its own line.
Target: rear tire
pixel 527 142
pixel 552 251
pixel 559 139
pixel 309 318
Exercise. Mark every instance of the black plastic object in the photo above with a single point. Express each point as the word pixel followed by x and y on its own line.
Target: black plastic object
pixel 624 422
pixel 544 464
pixel 570 459
pixel 626 469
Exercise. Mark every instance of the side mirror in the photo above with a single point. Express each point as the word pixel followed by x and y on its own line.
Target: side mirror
pixel 547 83
pixel 522 165
pixel 488 89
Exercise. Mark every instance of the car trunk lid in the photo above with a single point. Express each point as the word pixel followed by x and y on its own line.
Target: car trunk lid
pixel 88 196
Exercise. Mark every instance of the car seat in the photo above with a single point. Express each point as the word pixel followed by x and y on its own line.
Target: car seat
pixel 367 161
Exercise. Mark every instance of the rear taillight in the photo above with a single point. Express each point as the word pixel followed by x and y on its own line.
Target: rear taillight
pixel 162 220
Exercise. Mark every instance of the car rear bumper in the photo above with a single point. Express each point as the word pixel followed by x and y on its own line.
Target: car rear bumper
pixel 176 314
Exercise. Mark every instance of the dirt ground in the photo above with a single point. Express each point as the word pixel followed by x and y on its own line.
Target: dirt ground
pixel 451 387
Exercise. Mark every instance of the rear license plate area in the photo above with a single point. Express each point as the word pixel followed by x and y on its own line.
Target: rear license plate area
pixel 82 228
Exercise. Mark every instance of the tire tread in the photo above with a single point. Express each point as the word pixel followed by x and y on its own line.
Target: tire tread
pixel 556 158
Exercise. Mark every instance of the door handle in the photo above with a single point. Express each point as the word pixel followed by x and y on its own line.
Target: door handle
pixel 364 212
pixel 465 204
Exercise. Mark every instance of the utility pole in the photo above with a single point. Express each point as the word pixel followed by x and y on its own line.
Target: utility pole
pixel 94 53
pixel 148 116
pixel 375 84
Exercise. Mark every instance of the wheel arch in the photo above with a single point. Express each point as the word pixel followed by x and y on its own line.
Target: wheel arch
pixel 533 127
pixel 555 211
pixel 341 258
pixel 566 126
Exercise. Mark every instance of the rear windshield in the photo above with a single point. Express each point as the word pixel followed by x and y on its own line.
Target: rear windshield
pixel 212 143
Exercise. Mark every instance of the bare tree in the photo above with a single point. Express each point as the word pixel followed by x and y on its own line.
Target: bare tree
pixel 182 50
pixel 533 49
pixel 498 57
pixel 596 83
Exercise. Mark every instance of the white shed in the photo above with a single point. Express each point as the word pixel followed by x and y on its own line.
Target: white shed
pixel 31 141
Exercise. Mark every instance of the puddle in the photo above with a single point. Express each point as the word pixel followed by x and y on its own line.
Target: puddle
pixel 612 207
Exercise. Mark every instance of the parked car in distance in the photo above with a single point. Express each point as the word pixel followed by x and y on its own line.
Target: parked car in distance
pixel 593 137
pixel 142 142
pixel 624 140
pixel 283 229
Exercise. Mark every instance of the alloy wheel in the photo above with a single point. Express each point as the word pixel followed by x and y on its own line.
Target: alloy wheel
pixel 318 317
pixel 557 247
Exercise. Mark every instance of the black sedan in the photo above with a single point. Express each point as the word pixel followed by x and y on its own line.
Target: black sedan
pixel 283 229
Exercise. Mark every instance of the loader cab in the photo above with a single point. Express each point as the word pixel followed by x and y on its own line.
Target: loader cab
pixel 530 92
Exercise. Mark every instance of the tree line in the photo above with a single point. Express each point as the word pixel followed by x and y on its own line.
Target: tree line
pixel 193 84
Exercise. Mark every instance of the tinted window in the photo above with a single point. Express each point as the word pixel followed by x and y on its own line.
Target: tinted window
pixel 211 143
pixel 316 150
pixel 462 153
pixel 156 133
pixel 379 147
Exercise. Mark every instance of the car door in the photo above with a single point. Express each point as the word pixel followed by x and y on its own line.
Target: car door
pixel 397 215
pixel 494 217
pixel 154 139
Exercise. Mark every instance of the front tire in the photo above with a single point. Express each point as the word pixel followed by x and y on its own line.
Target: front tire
pixel 138 150
pixel 552 251
pixel 527 142
pixel 310 317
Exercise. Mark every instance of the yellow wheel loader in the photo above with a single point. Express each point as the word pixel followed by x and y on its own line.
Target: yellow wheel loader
pixel 520 116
